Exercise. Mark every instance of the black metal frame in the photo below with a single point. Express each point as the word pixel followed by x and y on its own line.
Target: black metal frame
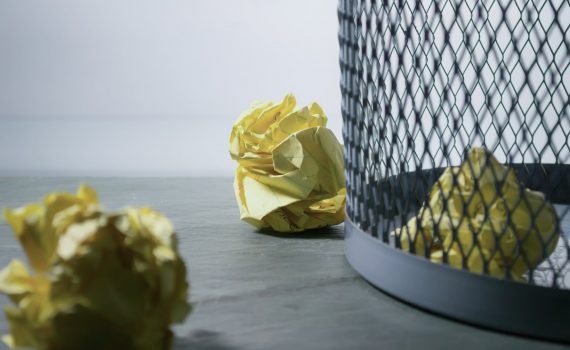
pixel 385 99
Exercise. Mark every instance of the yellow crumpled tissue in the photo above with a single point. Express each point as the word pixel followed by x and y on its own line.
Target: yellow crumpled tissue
pixel 290 174
pixel 482 243
pixel 99 281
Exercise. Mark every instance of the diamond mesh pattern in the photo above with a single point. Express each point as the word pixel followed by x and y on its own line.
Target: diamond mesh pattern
pixel 423 83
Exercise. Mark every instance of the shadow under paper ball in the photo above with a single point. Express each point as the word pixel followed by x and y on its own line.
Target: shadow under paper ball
pixel 202 339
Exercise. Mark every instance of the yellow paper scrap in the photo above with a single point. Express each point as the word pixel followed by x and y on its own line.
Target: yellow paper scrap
pixel 99 281
pixel 290 174
pixel 471 219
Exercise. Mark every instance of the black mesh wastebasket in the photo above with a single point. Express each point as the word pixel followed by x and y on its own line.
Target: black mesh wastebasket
pixel 456 129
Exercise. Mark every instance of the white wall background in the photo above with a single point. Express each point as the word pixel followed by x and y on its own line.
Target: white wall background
pixel 151 88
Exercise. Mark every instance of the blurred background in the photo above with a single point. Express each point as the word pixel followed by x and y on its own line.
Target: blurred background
pixel 152 88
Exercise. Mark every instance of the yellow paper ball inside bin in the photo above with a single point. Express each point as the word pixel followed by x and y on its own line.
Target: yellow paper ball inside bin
pixel 480 217
pixel 290 174
pixel 100 280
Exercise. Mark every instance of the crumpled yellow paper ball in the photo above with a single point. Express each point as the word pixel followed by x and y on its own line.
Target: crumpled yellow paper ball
pixel 99 280
pixel 290 174
pixel 467 219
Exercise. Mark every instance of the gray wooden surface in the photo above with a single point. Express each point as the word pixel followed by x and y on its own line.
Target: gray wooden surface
pixel 261 291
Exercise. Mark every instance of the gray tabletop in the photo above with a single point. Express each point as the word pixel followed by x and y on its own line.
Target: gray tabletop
pixel 261 291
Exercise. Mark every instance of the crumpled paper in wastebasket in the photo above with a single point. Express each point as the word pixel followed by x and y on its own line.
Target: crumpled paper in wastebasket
pixel 469 221
pixel 290 174
pixel 98 281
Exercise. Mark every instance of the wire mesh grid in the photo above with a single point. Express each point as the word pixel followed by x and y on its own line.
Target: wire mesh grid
pixel 456 131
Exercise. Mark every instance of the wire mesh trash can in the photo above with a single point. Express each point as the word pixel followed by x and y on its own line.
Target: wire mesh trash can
pixel 456 130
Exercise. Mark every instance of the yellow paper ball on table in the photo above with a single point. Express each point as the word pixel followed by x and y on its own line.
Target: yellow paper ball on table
pixel 99 280
pixel 290 174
